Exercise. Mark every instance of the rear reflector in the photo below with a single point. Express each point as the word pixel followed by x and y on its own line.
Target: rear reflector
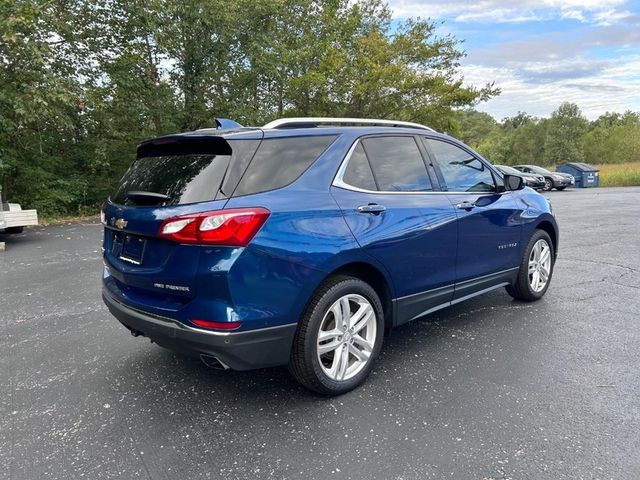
pixel 233 227
pixel 216 325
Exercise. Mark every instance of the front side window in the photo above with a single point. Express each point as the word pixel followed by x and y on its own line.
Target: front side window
pixel 397 164
pixel 462 172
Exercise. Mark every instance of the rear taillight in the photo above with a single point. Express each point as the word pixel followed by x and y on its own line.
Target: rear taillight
pixel 233 227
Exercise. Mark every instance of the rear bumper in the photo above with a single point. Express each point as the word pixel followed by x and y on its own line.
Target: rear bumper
pixel 265 347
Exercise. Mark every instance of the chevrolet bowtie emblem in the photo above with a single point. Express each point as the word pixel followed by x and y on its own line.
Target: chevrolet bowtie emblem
pixel 121 223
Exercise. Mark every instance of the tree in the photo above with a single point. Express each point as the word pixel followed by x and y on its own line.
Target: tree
pixel 613 138
pixel 82 81
pixel 564 134
pixel 528 143
pixel 518 120
pixel 40 119
pixel 474 127
pixel 518 140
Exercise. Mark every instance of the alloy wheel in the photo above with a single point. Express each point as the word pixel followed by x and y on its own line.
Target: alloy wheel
pixel 346 337
pixel 539 265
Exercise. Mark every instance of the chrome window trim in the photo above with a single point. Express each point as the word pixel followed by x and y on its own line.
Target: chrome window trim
pixel 340 183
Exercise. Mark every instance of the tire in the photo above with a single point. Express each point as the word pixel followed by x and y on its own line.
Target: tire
pixel 523 287
pixel 309 365
pixel 14 230
pixel 548 185
pixel 561 188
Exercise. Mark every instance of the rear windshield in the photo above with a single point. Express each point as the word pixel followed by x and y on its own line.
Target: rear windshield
pixel 188 177
pixel 182 178
pixel 193 176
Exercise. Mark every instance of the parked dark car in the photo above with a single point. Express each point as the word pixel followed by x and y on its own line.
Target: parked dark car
pixel 557 180
pixel 530 179
pixel 300 244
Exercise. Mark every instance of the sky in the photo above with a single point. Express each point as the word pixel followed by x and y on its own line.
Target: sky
pixel 543 52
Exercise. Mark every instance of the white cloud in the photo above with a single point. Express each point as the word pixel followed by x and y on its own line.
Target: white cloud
pixel 593 60
pixel 502 11
pixel 573 14
pixel 611 17
pixel 501 15
pixel 613 87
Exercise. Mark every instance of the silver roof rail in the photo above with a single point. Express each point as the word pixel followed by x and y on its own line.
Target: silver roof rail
pixel 303 121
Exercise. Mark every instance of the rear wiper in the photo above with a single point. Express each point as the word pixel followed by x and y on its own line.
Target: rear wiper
pixel 146 198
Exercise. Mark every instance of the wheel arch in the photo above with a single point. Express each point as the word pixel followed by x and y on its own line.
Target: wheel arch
pixel 552 230
pixel 372 275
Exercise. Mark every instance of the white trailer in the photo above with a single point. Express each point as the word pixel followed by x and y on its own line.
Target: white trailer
pixel 13 219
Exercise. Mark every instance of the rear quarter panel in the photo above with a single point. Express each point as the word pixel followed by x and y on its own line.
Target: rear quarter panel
pixel 304 239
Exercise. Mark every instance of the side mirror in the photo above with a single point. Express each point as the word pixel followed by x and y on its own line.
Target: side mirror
pixel 513 182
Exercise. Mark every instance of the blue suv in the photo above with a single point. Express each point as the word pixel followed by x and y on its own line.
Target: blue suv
pixel 302 242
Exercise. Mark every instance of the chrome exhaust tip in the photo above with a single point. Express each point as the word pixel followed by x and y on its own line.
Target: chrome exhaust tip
pixel 213 362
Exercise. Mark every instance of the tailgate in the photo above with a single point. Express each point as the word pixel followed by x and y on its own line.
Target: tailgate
pixel 144 264
pixel 20 218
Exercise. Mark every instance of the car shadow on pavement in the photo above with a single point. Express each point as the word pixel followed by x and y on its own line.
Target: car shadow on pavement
pixel 27 239
pixel 418 341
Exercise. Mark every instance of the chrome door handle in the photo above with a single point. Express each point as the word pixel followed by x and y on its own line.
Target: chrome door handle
pixel 371 208
pixel 466 205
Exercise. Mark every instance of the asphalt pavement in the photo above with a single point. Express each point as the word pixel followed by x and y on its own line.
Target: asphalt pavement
pixel 488 389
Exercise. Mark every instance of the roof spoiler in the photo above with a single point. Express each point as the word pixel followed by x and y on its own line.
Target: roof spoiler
pixel 184 145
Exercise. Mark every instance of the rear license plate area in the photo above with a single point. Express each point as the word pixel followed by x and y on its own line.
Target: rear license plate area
pixel 129 248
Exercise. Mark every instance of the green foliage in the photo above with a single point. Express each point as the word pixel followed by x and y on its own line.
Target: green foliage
pixel 473 127
pixel 517 140
pixel 40 122
pixel 82 81
pixel 613 138
pixel 564 134
pixel 565 137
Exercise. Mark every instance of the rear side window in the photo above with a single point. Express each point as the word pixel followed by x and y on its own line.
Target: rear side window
pixel 397 164
pixel 462 172
pixel 358 173
pixel 280 161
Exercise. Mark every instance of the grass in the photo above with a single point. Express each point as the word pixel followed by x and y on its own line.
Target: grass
pixel 619 174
